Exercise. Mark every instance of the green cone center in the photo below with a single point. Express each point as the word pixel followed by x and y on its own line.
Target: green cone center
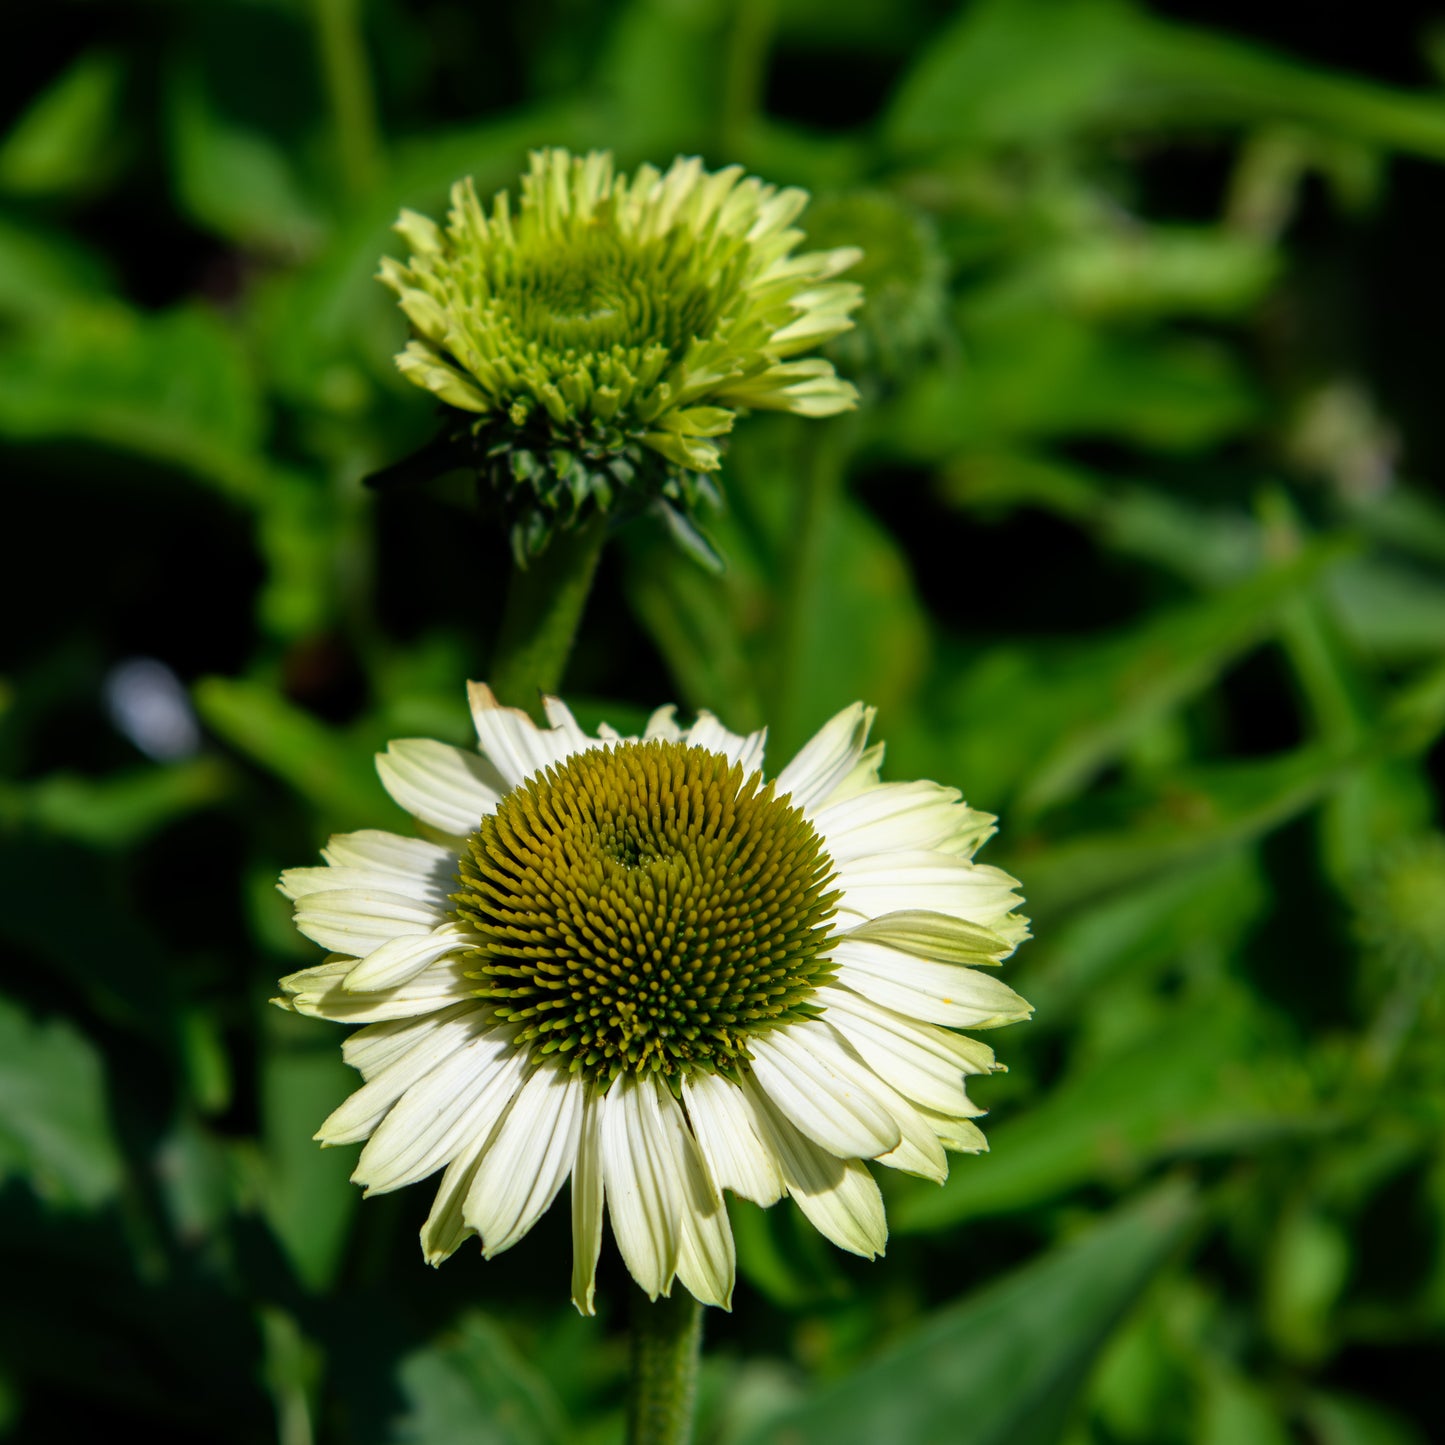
pixel 591 294
pixel 647 907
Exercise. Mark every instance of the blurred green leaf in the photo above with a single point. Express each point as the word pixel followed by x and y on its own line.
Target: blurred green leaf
pixel 474 1385
pixel 43 270
pixel 1235 1409
pixel 1108 694
pixel 1111 65
pixel 1198 814
pixel 174 387
pixel 1057 375
pixel 1125 935
pixel 118 811
pixel 1306 1269
pixel 1004 1366
pixel 1347 1420
pixel 1205 1081
pixel 335 774
pixel 235 181
pixel 307 1195
pixel 55 1128
pixel 66 140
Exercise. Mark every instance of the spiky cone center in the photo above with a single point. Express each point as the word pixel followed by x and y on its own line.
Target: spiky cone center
pixel 645 907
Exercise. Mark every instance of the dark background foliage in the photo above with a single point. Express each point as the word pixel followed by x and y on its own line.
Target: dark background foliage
pixel 1137 538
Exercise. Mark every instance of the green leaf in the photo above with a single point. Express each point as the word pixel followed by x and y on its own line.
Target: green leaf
pixel 1005 1366
pixel 44 270
pixel 1109 694
pixel 474 1385
pixel 332 772
pixel 307 1195
pixel 66 140
pixel 1203 1082
pixel 117 811
pixel 1110 65
pixel 1053 375
pixel 1235 1409
pixel 234 180
pixel 54 1121
pixel 175 388
pixel 1348 1420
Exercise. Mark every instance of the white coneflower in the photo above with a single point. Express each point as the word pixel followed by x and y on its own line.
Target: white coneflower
pixel 638 964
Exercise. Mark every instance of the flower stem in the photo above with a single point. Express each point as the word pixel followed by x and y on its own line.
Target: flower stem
pixel 539 620
pixel 348 87
pixel 820 485
pixel 666 1342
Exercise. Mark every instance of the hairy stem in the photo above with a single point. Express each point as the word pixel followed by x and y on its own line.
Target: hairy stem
pixel 666 1343
pixel 539 621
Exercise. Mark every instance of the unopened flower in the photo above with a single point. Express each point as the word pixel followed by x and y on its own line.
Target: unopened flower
pixel 637 964
pixel 595 340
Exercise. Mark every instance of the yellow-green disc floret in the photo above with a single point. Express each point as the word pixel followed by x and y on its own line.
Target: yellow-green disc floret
pixel 646 908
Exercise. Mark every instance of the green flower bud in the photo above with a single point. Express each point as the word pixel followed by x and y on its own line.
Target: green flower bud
pixel 595 341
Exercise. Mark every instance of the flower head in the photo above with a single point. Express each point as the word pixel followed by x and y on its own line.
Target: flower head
pixel 636 963
pixel 596 340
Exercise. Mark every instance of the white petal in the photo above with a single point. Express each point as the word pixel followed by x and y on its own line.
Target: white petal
pixel 959 1135
pixel 707 732
pixel 640 1195
pixel 403 958
pixel 559 716
pixel 723 1124
pixel 864 775
pixel 514 743
pixel 924 1063
pixel 930 881
pixel 706 1259
pixel 919 1150
pixel 445 786
pixel 663 724
pixel 378 1046
pixel 321 992
pixel 429 1046
pixel 587 1201
pixel 939 993
pixel 825 761
pixel 937 936
pixel 890 816
pixel 838 1196
pixel 805 1071
pixel 458 1102
pixel 528 1160
pixel 358 921
pixel 446 1228
pixel 373 848
pixel 298 883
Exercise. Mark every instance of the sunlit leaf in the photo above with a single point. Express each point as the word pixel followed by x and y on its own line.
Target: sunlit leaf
pixel 1005 1365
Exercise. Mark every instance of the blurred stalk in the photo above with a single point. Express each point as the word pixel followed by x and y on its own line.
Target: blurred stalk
pixel 820 484
pixel 539 620
pixel 348 89
pixel 666 1342
pixel 744 69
